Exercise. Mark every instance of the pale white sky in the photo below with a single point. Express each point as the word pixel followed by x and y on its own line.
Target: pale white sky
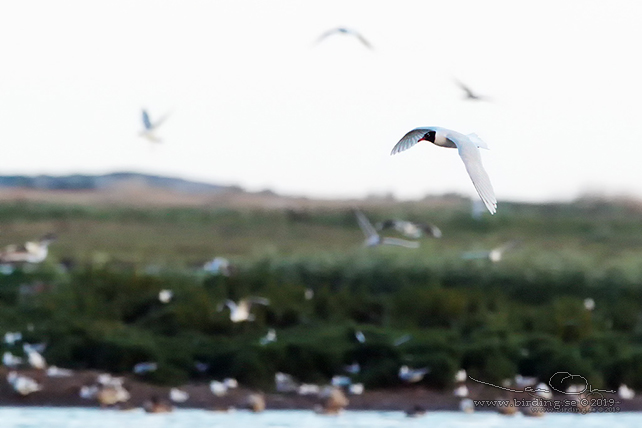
pixel 254 103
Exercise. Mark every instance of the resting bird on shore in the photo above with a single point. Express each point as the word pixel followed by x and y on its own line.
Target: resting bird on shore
pixel 23 385
pixel 34 358
pixel 467 145
pixel 470 95
pixel 495 255
pixel 346 32
pixel 150 127
pixel 412 375
pixel 30 252
pixel 373 239
pixel 410 229
pixel 241 311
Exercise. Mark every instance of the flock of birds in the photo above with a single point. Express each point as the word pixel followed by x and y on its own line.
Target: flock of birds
pixel 109 390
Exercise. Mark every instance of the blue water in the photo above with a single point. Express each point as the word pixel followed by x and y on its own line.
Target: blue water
pixel 41 417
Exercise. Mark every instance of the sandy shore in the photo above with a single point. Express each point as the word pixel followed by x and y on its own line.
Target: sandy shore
pixel 64 392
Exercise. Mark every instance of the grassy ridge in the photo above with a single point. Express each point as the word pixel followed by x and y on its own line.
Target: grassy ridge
pixel 522 315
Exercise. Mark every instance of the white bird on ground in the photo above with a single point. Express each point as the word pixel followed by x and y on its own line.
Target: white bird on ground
pixel 150 128
pixel 495 255
pixel 373 238
pixel 30 252
pixel 346 32
pixel 524 381
pixel 23 385
pixel 178 395
pixel 461 391
pixel 165 296
pixel 544 391
pixel 269 337
pixel 88 392
pixel 54 371
pixel 625 392
pixel 308 389
pixel 589 304
pixel 231 383
pixel 218 388
pixel 467 145
pixel 285 382
pixel 241 311
pixel 461 376
pixel 10 360
pixel 341 381
pixel 410 229
pixel 467 405
pixel 356 389
pixel 34 358
pixel 412 375
pixel 10 338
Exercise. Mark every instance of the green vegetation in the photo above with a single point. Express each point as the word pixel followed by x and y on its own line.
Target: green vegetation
pixel 524 314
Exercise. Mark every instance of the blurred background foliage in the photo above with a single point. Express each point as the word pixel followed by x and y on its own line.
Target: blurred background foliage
pixel 525 314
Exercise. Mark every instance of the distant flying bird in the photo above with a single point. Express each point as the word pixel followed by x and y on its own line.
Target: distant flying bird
pixel 372 237
pixel 412 375
pixel 589 304
pixel 269 337
pixel 467 145
pixel 403 339
pixel 241 311
pixel 470 95
pixel 30 252
pixel 346 32
pixel 360 336
pixel 495 255
pixel 410 229
pixel 165 296
pixel 308 294
pixel 150 127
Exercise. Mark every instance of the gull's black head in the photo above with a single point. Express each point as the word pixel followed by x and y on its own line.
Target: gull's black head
pixel 428 136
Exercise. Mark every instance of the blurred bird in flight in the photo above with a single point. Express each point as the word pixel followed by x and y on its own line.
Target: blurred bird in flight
pixel 470 95
pixel 30 252
pixel 410 229
pixel 495 255
pixel 241 311
pixel 347 32
pixel 150 127
pixel 373 238
pixel 467 145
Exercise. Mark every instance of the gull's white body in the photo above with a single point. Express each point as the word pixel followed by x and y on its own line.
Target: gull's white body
pixel 412 375
pixel 30 252
pixel 241 311
pixel 372 237
pixel 467 145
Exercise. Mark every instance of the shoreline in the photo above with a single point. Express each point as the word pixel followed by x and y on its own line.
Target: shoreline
pixel 65 392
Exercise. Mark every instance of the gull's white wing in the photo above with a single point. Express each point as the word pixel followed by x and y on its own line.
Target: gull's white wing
pixel 160 121
pixel 365 225
pixel 400 242
pixel 472 160
pixel 409 140
pixel 230 304
pixel 326 34
pixel 363 40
